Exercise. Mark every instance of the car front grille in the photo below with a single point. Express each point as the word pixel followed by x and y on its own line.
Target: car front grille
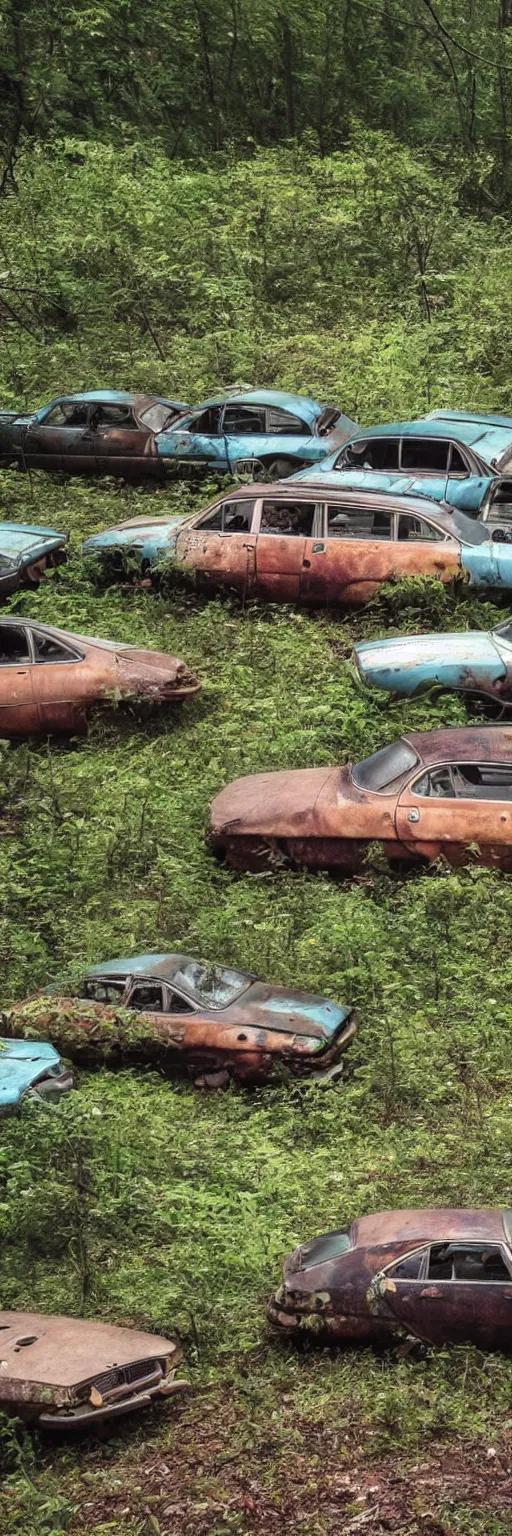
pixel 124 1375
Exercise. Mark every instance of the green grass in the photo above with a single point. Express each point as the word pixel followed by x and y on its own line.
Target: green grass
pixel 140 1200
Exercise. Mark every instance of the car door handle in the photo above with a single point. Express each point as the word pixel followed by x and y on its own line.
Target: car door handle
pixel 413 815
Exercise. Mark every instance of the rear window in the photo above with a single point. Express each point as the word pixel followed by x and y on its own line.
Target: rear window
pixel 214 985
pixel 330 1246
pixel 383 768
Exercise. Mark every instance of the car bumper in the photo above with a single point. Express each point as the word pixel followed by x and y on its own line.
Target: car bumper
pixel 84 1415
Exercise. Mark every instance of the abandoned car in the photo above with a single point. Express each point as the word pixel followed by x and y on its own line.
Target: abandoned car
pixel 293 542
pixel 473 662
pixel 442 1276
pixel 261 432
pixel 66 1373
pixel 462 458
pixel 30 1067
pixel 101 432
pixel 49 679
pixel 440 792
pixel 26 553
pixel 206 1020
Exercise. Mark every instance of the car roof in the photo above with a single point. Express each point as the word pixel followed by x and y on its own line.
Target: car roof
pixel 464 744
pixel 66 635
pixel 115 397
pixel 487 438
pixel 165 967
pixel 434 1225
pixel 299 404
pixel 451 519
pixel 487 418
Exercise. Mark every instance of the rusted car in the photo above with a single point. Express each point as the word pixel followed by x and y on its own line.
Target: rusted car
pixel 100 432
pixel 27 552
pixel 310 543
pixel 473 662
pixel 442 1276
pixel 438 792
pixel 206 1020
pixel 66 1373
pixel 29 1067
pixel 49 679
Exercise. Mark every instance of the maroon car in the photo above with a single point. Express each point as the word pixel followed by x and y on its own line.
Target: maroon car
pixel 443 1276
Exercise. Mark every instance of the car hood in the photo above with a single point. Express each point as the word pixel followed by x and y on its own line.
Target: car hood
pixel 443 657
pixel 67 1351
pixel 301 804
pixel 22 1063
pixel 289 1012
pixel 137 534
pixel 20 539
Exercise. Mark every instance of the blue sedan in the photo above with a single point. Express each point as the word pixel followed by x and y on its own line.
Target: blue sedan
pixel 265 433
pixel 472 661
pixel 459 457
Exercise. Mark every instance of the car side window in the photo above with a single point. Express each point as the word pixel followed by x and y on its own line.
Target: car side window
pixel 468 1261
pixel 69 413
pixel 104 991
pixel 147 997
pixel 206 421
pixel 284 421
pixel 412 1266
pixel 370 453
pixel 486 781
pixel 108 415
pixel 179 1004
pixel 243 420
pixel 425 455
pixel 14 645
pixel 48 649
pixel 288 518
pixel 456 463
pixel 437 784
pixel 358 523
pixel 416 530
pixel 230 517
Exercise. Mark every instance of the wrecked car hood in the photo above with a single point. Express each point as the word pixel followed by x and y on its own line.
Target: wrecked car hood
pixel 407 662
pixel 291 1013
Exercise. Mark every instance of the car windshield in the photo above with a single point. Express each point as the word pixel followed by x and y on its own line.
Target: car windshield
pixel 212 984
pixel 504 631
pixel 382 769
pixel 330 1246
pixel 158 416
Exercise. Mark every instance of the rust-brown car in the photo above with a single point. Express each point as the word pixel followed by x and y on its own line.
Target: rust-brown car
pixel 65 1373
pixel 442 1276
pixel 208 1021
pixel 49 679
pixel 439 792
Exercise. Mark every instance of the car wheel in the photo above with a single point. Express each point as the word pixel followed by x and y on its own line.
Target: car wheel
pixel 252 853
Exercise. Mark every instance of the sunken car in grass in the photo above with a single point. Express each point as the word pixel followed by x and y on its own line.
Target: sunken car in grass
pixel 66 1373
pixel 311 543
pixel 50 680
pixel 207 1021
pixel 443 792
pixel 27 552
pixel 474 662
pixel 30 1068
pixel 101 432
pixel 442 1276
pixel 262 432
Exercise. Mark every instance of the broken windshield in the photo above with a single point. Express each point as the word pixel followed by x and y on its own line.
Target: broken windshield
pixel 382 769
pixel 212 984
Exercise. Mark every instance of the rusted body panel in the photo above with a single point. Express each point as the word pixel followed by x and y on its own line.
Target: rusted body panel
pixel 442 1275
pixel 49 679
pixel 65 1373
pixel 326 817
pixel 100 432
pixel 469 661
pixel 263 1029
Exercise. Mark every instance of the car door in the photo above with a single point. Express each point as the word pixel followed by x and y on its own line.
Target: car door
pixel 286 524
pixel 19 712
pixel 119 442
pixel 457 1293
pixel 163 1008
pixel 446 809
pixel 63 684
pixel 59 439
pixel 221 545
pixel 197 443
pixel 365 545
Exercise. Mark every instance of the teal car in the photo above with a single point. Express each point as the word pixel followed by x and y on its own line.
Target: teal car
pixel 26 552
pixel 27 1067
pixel 461 458
pixel 262 432
pixel 473 662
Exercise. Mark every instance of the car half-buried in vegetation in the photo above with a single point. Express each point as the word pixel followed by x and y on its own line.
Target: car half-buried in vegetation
pixel 26 553
pixel 262 432
pixel 67 1373
pixel 29 1067
pixel 474 662
pixel 101 432
pixel 185 1015
pixel 439 792
pixel 315 543
pixel 50 680
pixel 442 1276
pixel 461 458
